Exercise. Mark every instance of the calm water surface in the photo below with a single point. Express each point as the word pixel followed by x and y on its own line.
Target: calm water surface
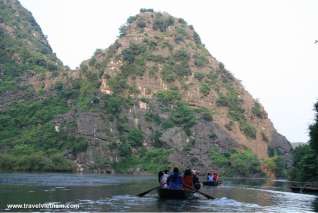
pixel 118 193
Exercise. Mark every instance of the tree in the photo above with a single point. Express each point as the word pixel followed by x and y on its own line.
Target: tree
pixel 305 158
pixel 313 132
pixel 305 167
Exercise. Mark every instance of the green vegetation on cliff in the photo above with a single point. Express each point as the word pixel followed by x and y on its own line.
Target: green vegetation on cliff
pixel 28 134
pixel 236 112
pixel 236 162
pixel 152 161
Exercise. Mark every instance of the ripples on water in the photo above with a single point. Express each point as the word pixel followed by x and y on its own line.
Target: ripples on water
pixel 118 193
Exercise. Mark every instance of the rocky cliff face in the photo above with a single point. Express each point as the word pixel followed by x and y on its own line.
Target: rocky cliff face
pixel 155 98
pixel 180 97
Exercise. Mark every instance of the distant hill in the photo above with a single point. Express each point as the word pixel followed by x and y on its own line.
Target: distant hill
pixel 296 144
pixel 24 48
pixel 155 98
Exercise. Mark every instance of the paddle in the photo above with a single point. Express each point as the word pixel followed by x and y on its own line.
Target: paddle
pixel 146 192
pixel 202 193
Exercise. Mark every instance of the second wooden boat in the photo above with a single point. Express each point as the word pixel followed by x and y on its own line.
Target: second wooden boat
pixel 207 183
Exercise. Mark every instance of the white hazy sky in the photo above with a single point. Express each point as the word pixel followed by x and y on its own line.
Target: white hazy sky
pixel 267 44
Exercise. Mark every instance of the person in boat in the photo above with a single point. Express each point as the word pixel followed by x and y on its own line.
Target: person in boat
pixel 174 181
pixel 215 177
pixel 187 179
pixel 164 179
pixel 210 178
pixel 160 174
pixel 195 180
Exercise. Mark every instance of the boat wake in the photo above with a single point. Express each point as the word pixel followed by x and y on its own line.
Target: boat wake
pixel 226 204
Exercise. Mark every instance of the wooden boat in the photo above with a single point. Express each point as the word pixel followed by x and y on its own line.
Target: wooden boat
pixel 174 194
pixel 207 183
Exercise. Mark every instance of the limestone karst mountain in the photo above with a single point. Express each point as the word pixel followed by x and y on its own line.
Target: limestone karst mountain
pixel 155 98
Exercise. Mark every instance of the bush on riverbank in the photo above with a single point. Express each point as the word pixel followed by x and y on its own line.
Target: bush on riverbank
pixel 241 163
pixel 151 161
pixel 37 161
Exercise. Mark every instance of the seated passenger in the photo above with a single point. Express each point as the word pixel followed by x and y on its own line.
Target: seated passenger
pixel 210 177
pixel 215 177
pixel 164 179
pixel 174 180
pixel 187 179
pixel 196 181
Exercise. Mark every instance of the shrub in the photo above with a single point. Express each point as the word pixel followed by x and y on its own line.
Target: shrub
pixel 92 61
pixel 167 124
pixel 141 23
pixel 182 21
pixel 162 22
pixel 152 160
pixel 182 55
pixel 135 137
pixel 196 38
pixel 236 163
pixel 222 101
pixel 131 19
pixel 205 89
pixel 179 38
pixel 113 104
pixel 257 110
pixel 277 165
pixel 118 83
pixel 205 114
pixel 124 149
pixel 180 34
pixel 200 60
pixel 79 145
pixel 248 129
pixel 123 30
pixel 168 74
pixel 182 69
pixel 153 71
pixel 168 96
pixel 155 137
pixel 144 10
pixel 183 116
pixel 221 66
pixel 199 76
pixel 129 54
pixel 151 44
pixel 135 69
pixel 35 161
pixel 149 116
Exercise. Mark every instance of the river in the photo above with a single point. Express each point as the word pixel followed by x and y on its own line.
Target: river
pixel 91 192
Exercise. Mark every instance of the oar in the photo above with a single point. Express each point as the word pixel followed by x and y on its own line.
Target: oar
pixel 205 195
pixel 202 193
pixel 146 192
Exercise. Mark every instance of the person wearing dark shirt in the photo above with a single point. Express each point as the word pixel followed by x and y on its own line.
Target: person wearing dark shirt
pixel 175 180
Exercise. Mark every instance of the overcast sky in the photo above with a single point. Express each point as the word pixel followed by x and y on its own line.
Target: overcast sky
pixel 268 44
